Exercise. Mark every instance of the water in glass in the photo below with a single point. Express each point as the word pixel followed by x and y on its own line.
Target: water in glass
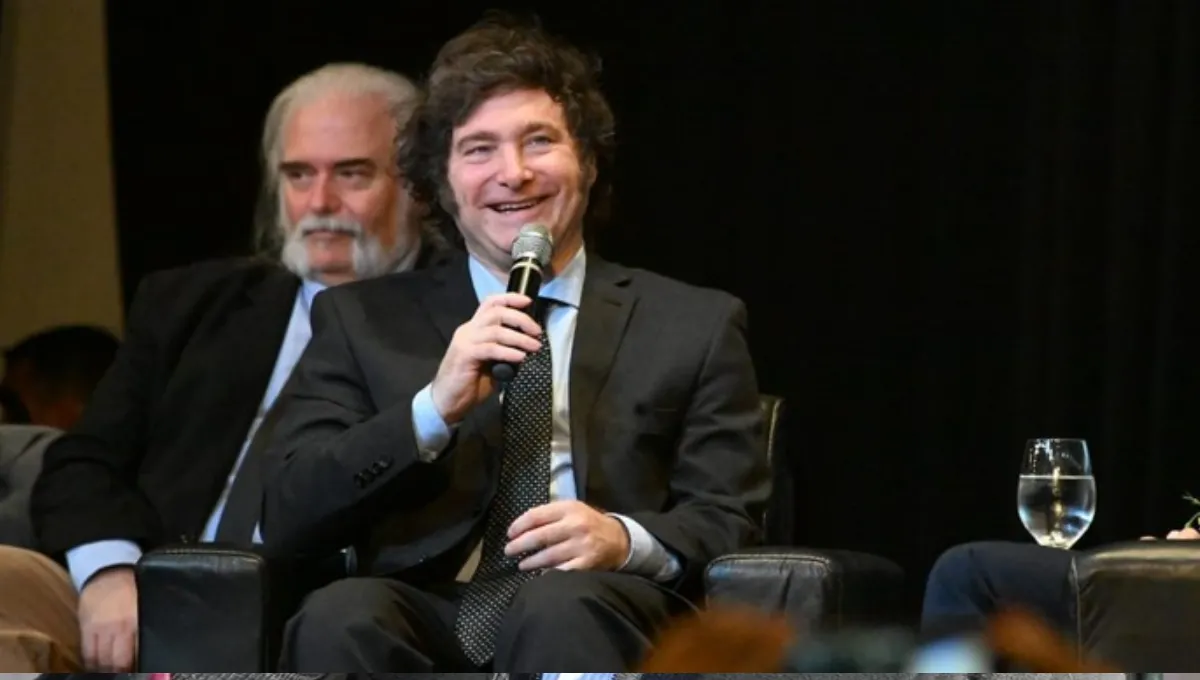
pixel 1056 493
pixel 1056 509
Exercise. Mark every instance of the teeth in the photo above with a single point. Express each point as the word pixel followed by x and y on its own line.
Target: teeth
pixel 513 207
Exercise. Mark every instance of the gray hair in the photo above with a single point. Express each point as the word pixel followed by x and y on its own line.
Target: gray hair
pixel 400 95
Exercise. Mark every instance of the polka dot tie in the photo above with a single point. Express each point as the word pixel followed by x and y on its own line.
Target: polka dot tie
pixel 524 484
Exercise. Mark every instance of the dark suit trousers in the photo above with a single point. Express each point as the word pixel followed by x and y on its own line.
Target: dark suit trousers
pixel 971 582
pixel 598 622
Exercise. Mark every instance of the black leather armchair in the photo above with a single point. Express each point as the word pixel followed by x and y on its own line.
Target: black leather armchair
pixel 208 607
pixel 823 589
pixel 1139 604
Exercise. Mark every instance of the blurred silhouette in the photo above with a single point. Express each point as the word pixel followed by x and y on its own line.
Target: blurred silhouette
pixel 50 376
pixel 722 641
pixel 1027 642
pixel 731 640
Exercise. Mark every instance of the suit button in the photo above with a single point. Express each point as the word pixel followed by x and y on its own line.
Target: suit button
pixel 360 480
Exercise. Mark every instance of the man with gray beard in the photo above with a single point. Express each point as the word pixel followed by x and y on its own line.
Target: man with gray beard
pixel 157 455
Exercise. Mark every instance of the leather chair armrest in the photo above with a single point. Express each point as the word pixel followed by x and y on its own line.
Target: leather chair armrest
pixel 205 608
pixel 821 589
pixel 1138 604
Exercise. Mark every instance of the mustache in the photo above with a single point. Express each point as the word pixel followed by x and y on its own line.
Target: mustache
pixel 312 224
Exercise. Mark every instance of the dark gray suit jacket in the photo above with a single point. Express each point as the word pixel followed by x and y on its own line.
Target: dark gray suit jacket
pixel 21 450
pixel 665 423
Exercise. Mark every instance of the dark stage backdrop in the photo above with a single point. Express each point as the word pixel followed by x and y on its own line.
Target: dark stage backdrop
pixel 956 225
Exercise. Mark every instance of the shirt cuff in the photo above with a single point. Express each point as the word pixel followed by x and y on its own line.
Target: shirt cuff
pixel 647 555
pixel 87 560
pixel 431 431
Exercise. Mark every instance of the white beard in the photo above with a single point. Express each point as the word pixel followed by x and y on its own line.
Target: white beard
pixel 367 256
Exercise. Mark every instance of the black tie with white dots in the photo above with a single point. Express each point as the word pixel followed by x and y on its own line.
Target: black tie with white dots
pixel 524 484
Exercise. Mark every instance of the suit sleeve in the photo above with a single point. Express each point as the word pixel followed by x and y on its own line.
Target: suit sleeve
pixel 720 481
pixel 88 489
pixel 335 463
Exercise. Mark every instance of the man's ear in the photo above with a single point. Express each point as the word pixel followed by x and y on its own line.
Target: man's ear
pixel 589 175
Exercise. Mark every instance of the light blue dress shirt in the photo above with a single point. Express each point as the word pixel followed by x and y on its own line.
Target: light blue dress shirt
pixel 85 560
pixel 647 556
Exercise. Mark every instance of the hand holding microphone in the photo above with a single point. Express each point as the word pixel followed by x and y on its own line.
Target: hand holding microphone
pixel 489 347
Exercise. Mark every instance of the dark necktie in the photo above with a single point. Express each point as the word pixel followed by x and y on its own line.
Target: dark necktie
pixel 524 484
pixel 244 505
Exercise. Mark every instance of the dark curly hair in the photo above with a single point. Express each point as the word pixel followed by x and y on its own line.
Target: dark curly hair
pixel 503 53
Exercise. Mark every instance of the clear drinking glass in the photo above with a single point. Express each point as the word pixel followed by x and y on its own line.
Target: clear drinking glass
pixel 1056 493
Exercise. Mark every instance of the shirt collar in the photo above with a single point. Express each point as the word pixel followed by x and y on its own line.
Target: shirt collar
pixel 565 289
pixel 309 289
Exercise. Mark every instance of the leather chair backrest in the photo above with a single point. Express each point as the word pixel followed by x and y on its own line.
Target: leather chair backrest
pixel 778 519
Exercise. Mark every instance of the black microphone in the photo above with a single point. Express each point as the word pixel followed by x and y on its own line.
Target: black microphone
pixel 531 254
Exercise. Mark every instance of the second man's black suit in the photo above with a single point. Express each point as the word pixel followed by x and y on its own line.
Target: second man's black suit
pixel 153 450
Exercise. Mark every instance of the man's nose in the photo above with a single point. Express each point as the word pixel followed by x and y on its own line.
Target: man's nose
pixel 514 172
pixel 323 200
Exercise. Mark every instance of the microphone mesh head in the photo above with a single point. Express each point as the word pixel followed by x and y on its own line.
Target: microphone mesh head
pixel 534 241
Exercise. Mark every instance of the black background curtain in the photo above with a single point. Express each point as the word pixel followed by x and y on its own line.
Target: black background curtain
pixel 956 225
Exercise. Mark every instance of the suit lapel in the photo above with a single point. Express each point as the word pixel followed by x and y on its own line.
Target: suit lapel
pixel 451 300
pixel 263 320
pixel 450 303
pixel 257 327
pixel 604 309
pixel 221 375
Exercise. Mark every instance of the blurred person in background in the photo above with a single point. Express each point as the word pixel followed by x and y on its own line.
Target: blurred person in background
pixel 156 457
pixel 50 375
pixel 48 379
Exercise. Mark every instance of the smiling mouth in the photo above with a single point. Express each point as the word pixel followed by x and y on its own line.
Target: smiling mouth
pixel 516 206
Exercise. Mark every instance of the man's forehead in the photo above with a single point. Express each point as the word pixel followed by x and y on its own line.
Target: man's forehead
pixel 517 111
pixel 338 121
pixel 337 103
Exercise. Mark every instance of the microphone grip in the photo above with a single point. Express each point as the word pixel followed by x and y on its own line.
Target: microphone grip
pixel 525 277
pixel 503 372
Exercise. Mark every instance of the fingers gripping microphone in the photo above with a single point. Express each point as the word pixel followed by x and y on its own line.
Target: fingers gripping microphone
pixel 531 254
